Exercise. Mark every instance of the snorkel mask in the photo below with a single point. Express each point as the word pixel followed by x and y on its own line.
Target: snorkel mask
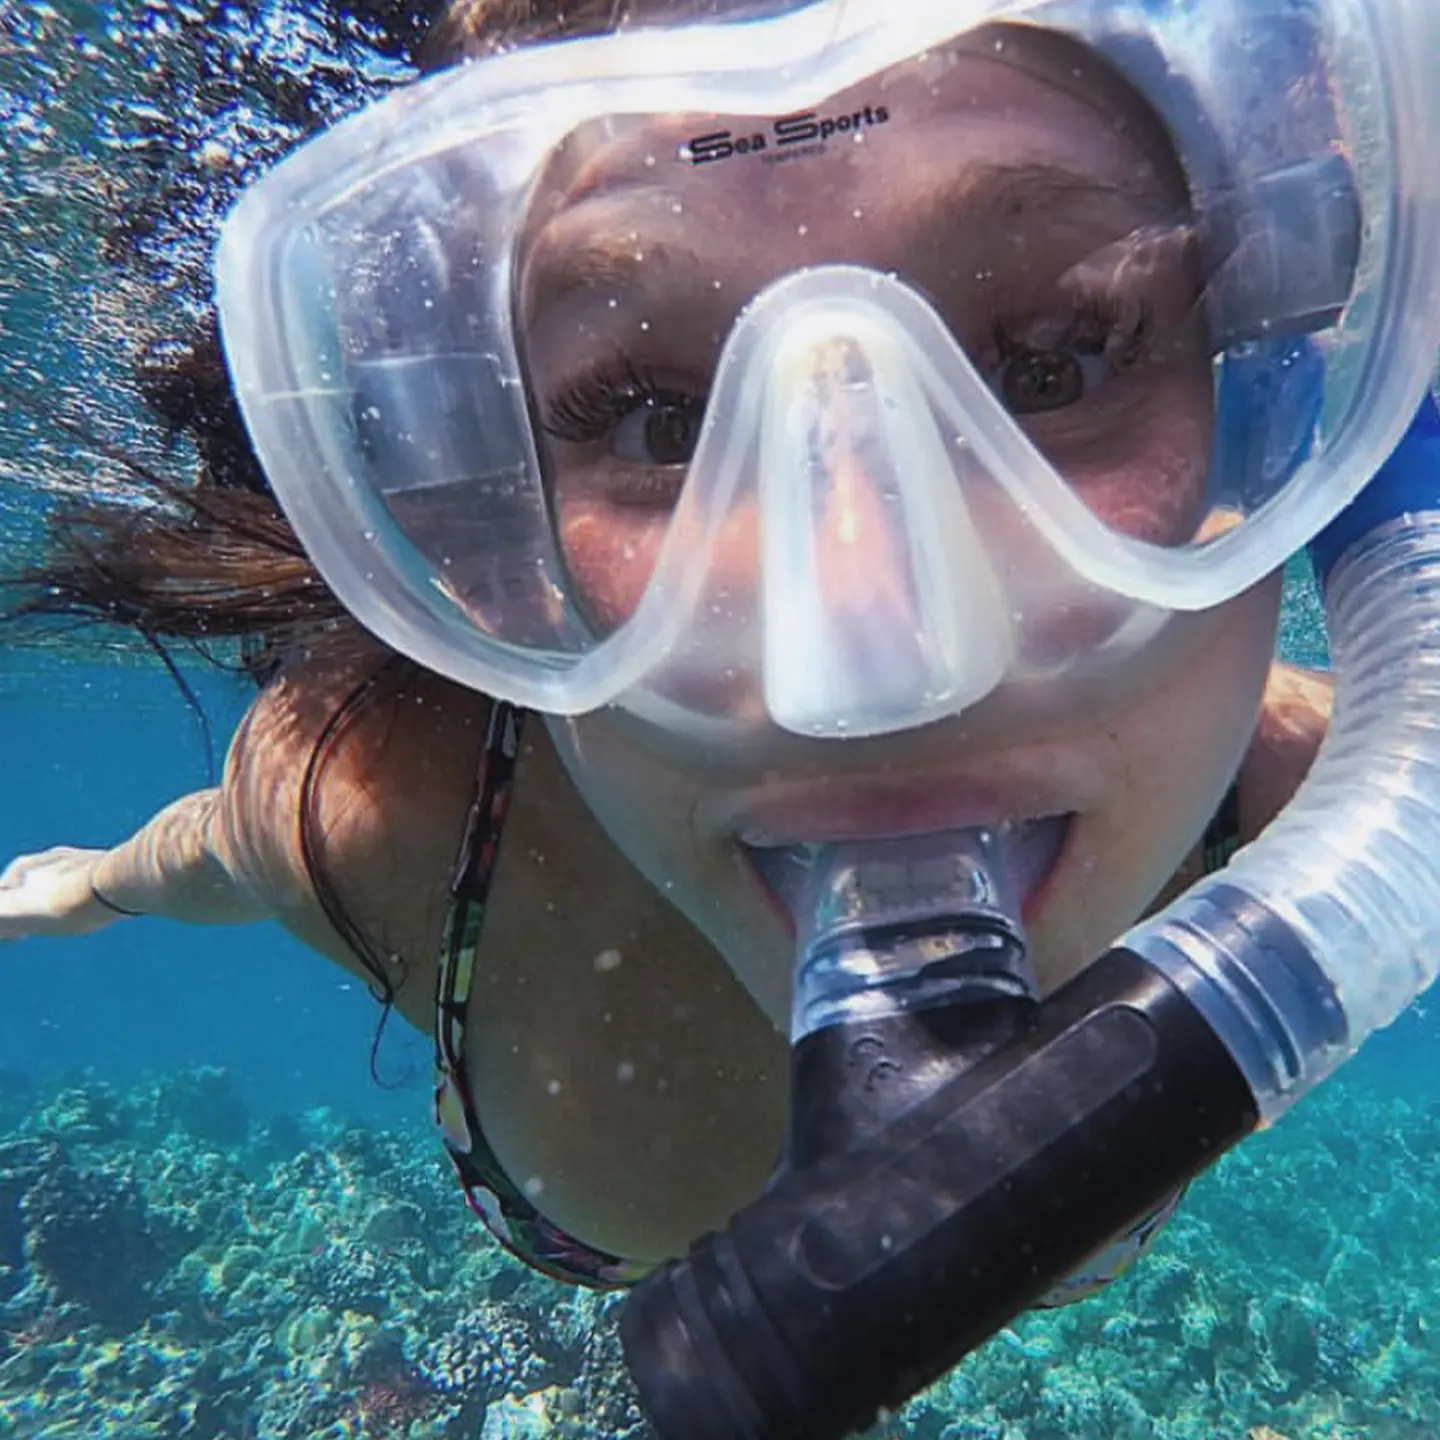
pixel 878 508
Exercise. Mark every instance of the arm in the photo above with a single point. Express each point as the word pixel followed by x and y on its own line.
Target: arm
pixel 176 866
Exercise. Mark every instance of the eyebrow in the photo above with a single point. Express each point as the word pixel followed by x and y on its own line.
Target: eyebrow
pixel 986 192
pixel 990 192
pixel 605 264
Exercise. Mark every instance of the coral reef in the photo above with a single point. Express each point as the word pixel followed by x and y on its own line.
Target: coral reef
pixel 171 1269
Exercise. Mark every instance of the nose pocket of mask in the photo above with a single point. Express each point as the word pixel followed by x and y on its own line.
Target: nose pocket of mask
pixel 880 604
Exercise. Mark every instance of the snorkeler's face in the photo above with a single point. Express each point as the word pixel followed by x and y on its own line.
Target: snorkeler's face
pixel 1023 192
pixel 1038 207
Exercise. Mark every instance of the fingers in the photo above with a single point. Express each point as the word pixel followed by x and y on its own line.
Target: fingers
pixel 16 871
pixel 49 894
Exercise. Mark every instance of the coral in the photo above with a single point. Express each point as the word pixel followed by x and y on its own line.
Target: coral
pixel 603 1392
pixel 533 1417
pixel 22 1162
pixel 486 1352
pixel 92 1239
pixel 394 1225
pixel 348 1275
pixel 203 1104
pixel 281 1137
pixel 343 1293
pixel 975 1428
pixel 391 1393
pixel 90 1113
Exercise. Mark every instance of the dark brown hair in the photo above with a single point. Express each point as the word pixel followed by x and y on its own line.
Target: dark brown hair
pixel 192 549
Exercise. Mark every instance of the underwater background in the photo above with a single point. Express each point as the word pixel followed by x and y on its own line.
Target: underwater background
pixel 214 1224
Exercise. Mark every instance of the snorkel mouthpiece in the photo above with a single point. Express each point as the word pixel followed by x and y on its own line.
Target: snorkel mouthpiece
pixel 896 925
pixel 956 1149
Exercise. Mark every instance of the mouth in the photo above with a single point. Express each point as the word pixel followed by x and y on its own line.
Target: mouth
pixel 1031 851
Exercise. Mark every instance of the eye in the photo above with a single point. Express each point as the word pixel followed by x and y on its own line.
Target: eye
pixel 624 408
pixel 662 430
pixel 1058 360
pixel 1032 381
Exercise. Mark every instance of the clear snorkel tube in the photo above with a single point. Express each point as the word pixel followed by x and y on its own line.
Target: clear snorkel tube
pixel 958 1147
pixel 1328 926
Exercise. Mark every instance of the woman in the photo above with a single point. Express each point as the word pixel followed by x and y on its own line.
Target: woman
pixel 618 1085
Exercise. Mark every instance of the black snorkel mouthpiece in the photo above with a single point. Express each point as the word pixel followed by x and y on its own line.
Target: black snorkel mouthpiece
pixel 956 1149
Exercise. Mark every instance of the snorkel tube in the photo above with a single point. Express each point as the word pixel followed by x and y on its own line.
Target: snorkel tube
pixel 958 1147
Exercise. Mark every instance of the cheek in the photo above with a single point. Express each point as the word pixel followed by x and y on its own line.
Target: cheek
pixel 1180 746
pixel 1153 487
pixel 611 553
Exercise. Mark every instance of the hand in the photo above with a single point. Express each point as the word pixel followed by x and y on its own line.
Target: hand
pixel 49 894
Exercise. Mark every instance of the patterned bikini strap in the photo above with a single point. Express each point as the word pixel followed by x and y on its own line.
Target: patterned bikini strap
pixel 509 1214
pixel 464 915
pixel 475 864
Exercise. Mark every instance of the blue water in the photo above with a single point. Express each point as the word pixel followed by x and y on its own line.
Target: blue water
pixel 277 1252
pixel 90 751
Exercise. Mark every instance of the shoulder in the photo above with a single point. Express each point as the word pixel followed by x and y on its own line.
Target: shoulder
pixel 365 761
pixel 1294 716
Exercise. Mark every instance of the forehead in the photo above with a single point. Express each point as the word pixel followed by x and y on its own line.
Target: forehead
pixel 1009 125
pixel 1022 76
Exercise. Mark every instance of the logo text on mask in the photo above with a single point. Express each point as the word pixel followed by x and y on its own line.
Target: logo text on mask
pixel 809 129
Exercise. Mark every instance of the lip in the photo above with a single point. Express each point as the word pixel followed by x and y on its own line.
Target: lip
pixel 1014 787
pixel 890 807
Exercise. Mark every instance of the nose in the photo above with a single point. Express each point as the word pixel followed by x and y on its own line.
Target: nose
pixel 881 608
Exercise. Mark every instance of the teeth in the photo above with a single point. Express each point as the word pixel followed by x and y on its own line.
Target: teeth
pixel 805 850
pixel 803 855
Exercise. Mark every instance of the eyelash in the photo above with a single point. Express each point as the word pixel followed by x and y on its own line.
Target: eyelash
pixel 590 407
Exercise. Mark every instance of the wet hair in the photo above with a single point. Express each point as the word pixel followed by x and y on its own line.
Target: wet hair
pixel 172 531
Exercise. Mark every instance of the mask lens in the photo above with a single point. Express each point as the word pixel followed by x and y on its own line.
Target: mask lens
pixel 1024 192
